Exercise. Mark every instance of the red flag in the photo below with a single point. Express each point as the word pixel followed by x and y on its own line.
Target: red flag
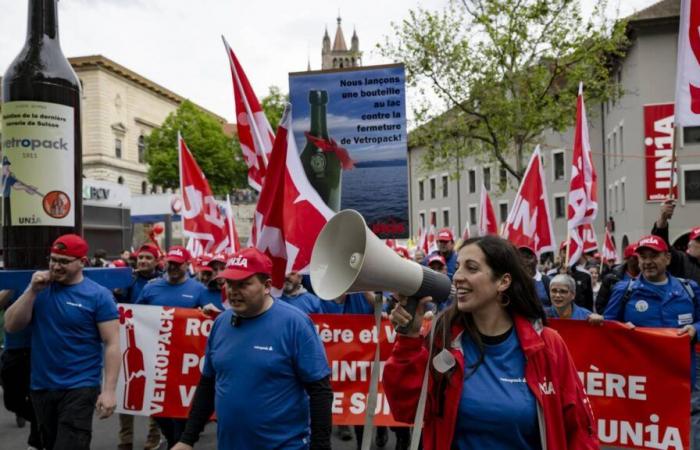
pixel 583 193
pixel 688 66
pixel 290 214
pixel 590 240
pixel 487 216
pixel 430 240
pixel 254 131
pixel 529 222
pixel 609 250
pixel 203 220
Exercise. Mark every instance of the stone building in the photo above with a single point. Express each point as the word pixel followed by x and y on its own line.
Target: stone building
pixel 617 135
pixel 338 56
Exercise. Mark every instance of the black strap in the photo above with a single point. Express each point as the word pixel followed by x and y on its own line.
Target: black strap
pixel 320 412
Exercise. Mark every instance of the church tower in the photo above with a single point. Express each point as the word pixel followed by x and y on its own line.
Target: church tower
pixel 338 56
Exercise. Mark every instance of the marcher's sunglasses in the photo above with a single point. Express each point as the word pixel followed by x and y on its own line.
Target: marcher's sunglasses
pixel 60 261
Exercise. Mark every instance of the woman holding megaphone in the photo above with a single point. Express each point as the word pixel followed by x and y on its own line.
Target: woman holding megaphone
pixel 498 378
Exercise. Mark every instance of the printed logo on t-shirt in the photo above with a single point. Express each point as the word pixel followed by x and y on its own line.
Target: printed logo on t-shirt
pixel 512 380
pixel 263 348
pixel 188 296
pixel 641 305
pixel 77 305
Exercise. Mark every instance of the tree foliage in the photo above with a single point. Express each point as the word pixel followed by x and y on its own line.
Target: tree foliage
pixel 499 73
pixel 273 105
pixel 218 155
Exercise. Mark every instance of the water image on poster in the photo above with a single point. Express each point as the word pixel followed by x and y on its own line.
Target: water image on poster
pixel 350 127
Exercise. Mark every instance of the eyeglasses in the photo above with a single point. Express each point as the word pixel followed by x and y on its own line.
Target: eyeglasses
pixel 559 291
pixel 60 261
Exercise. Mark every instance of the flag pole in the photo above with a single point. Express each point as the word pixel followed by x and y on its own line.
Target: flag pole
pixel 674 163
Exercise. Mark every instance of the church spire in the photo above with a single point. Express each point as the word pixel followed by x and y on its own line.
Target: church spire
pixel 339 41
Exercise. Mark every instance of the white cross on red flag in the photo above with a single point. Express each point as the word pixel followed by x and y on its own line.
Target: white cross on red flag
pixel 529 223
pixel 203 220
pixel 487 216
pixel 609 250
pixel 583 189
pixel 290 214
pixel 254 131
pixel 688 66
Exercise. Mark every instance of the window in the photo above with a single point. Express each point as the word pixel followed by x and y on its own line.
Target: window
pixel 472 181
pixel 433 218
pixel 445 217
pixel 432 188
pixel 610 198
pixel 421 190
pixel 421 220
pixel 142 149
pixel 558 164
pixel 120 180
pixel 614 148
pixel 502 177
pixel 691 183
pixel 559 206
pixel 503 211
pixel 622 195
pixel 487 178
pixel 622 146
pixel 118 148
pixel 445 186
pixel 608 149
pixel 617 197
pixel 144 188
pixel 472 214
pixel 691 135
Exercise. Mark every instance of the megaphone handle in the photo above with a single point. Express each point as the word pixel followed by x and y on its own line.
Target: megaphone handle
pixel 410 307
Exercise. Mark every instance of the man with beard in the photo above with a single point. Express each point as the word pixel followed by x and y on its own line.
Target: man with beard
pixel 72 317
pixel 179 290
pixel 146 270
pixel 295 294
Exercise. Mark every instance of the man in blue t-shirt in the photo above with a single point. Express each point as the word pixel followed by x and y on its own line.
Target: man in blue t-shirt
pixel 446 245
pixel 212 298
pixel 72 317
pixel 658 299
pixel 176 289
pixel 295 294
pixel 265 371
pixel 15 373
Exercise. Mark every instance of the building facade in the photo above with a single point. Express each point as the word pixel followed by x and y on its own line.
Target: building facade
pixel 618 142
pixel 339 56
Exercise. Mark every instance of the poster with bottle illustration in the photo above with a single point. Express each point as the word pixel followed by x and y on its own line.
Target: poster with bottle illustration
pixel 350 127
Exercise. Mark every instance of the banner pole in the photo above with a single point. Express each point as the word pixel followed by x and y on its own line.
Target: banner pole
pixel 674 164
pixel 371 405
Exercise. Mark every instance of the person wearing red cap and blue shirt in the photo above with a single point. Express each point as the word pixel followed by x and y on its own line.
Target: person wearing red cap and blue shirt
pixel 208 270
pixel 658 299
pixel 74 320
pixel 296 295
pixel 446 244
pixel 176 289
pixel 265 370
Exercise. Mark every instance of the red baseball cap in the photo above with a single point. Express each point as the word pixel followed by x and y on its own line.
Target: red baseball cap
pixel 119 263
pixel 245 264
pixel 653 242
pixel 178 254
pixel 630 251
pixel 436 258
pixel 528 248
pixel 445 234
pixel 694 234
pixel 70 245
pixel 202 263
pixel 148 248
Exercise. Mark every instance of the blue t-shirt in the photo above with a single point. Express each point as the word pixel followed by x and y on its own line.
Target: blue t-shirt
pixel 260 367
pixel 212 296
pixel 160 292
pixel 20 339
pixel 577 312
pixel 66 343
pixel 497 409
pixel 355 303
pixel 305 301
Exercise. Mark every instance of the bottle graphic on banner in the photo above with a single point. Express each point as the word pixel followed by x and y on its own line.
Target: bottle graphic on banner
pixel 41 144
pixel 323 168
pixel 134 372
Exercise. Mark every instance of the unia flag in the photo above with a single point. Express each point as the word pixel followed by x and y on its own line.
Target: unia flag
pixel 609 250
pixel 688 66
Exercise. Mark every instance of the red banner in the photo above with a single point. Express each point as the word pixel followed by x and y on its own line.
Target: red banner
pixel 637 380
pixel 658 151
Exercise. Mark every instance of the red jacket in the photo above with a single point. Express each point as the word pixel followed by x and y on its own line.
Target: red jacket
pixel 564 413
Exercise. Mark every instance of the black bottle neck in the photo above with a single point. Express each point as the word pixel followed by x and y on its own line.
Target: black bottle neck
pixel 42 21
pixel 318 120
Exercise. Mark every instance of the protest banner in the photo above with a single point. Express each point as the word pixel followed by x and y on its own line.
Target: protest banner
pixel 658 145
pixel 350 127
pixel 637 380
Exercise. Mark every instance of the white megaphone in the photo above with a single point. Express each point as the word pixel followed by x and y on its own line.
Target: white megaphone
pixel 348 257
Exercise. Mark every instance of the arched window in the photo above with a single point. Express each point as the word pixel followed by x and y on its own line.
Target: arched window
pixel 118 148
pixel 142 149
pixel 144 187
pixel 120 180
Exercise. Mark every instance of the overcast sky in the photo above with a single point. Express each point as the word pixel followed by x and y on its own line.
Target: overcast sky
pixel 177 43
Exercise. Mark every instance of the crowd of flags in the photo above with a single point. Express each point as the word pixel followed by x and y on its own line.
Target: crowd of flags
pixel 290 214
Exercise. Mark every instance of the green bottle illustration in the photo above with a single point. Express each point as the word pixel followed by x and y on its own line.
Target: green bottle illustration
pixel 323 168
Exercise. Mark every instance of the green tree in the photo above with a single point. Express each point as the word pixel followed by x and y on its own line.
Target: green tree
pixel 218 155
pixel 498 73
pixel 273 105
